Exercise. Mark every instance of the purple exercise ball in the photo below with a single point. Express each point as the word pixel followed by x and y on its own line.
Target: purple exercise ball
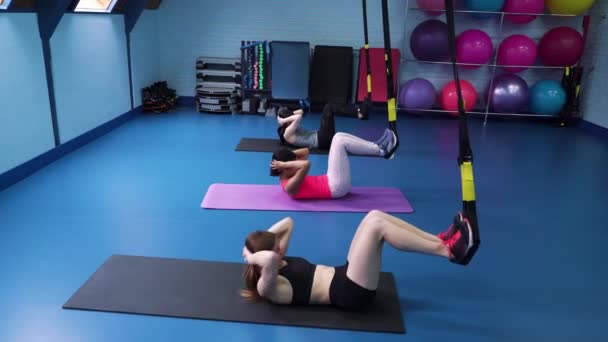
pixel 417 93
pixel 508 94
pixel 429 41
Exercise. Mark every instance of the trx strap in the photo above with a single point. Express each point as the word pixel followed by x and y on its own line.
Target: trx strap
pixel 367 62
pixel 571 81
pixel 465 156
pixel 391 101
pixel 390 89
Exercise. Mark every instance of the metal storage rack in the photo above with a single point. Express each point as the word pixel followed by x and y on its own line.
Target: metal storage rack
pixel 492 64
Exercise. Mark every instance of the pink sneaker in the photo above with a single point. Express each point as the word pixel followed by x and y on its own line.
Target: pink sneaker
pixel 460 243
pixel 448 233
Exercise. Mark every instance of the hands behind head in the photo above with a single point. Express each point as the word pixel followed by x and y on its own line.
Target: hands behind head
pixel 260 258
pixel 246 254
pixel 277 165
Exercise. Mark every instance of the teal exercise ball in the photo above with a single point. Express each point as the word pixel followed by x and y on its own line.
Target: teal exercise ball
pixel 547 97
pixel 485 6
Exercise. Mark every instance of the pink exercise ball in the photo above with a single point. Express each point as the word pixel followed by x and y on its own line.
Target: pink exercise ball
pixel 562 46
pixel 474 47
pixel 432 7
pixel 517 53
pixel 449 96
pixel 533 7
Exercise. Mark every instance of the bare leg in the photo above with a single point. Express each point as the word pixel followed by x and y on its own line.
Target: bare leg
pixel 399 222
pixel 365 254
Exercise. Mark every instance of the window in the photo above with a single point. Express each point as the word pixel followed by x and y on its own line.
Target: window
pixel 103 6
pixel 4 4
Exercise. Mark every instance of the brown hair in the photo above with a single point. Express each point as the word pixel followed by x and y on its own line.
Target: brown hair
pixel 255 242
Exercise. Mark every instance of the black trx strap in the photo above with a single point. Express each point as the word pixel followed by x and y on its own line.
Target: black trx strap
pixel 390 89
pixel 571 81
pixel 465 156
pixel 368 78
pixel 391 102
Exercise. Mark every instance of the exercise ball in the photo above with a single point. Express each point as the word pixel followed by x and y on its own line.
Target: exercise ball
pixel 429 41
pixel 562 46
pixel 449 97
pixel 483 5
pixel 507 94
pixel 432 7
pixel 533 7
pixel 474 47
pixel 547 97
pixel 417 93
pixel 517 53
pixel 573 7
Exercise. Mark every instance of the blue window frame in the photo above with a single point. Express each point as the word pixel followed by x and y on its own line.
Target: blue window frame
pixel 96 6
pixel 4 4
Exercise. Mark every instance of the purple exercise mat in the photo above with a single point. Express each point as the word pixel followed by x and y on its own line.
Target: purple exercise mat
pixel 272 197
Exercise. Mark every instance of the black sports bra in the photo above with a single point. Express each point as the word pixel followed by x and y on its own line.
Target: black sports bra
pixel 300 274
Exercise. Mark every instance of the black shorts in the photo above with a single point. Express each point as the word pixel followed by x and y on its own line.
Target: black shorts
pixel 346 294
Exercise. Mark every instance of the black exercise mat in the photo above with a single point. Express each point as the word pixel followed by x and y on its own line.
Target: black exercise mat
pixel 331 77
pixel 267 145
pixel 210 290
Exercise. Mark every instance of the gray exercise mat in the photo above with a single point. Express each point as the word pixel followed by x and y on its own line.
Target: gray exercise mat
pixel 210 290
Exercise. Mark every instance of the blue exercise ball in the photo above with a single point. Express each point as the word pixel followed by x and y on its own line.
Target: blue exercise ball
pixel 547 97
pixel 417 93
pixel 483 5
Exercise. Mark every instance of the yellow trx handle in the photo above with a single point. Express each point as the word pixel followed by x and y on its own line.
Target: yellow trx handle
pixel 468 184
pixel 369 76
pixel 392 109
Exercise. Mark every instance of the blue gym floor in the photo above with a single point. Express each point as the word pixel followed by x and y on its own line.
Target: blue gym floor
pixel 543 211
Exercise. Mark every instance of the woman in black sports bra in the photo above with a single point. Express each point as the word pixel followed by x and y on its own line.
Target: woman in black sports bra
pixel 272 276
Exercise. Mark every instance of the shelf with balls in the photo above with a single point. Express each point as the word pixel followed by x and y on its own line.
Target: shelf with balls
pixel 560 48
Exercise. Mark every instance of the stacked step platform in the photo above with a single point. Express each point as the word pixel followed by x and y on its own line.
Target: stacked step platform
pixel 218 85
